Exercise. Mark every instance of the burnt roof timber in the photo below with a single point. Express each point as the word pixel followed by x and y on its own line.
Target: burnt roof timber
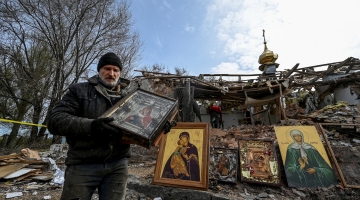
pixel 333 68
pixel 339 80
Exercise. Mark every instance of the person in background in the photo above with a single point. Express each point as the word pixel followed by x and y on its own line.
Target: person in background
pixel 215 114
pixel 247 116
pixel 96 159
pixel 221 123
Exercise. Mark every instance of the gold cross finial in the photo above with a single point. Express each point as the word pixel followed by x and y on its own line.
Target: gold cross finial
pixel 264 36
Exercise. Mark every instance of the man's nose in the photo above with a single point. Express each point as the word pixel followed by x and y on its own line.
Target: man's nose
pixel 112 73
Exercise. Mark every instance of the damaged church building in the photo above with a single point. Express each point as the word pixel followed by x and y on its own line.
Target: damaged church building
pixel 318 104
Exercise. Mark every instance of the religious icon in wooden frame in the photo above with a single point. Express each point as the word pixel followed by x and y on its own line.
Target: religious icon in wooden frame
pixel 305 160
pixel 258 162
pixel 183 157
pixel 223 164
pixel 141 116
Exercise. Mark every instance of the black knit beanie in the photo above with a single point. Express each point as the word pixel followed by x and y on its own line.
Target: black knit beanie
pixel 109 59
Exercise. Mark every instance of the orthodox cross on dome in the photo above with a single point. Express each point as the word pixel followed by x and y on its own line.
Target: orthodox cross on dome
pixel 268 57
pixel 264 39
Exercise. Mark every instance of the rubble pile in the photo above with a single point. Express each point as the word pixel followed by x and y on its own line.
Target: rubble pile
pixel 30 174
pixel 228 138
pixel 24 166
pixel 293 110
pixel 341 112
pixel 143 161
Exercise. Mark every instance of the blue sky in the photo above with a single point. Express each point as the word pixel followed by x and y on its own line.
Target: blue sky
pixel 225 36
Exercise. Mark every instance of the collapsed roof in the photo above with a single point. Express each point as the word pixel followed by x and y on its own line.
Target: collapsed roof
pixel 251 89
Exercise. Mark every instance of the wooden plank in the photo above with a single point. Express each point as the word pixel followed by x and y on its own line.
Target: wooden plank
pixel 32 173
pixel 6 157
pixel 332 156
pixel 18 173
pixel 8 169
pixel 32 162
pixel 280 103
pixel 292 70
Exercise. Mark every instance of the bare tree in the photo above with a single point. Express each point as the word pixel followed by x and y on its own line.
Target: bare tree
pixel 155 68
pixel 181 71
pixel 160 68
pixel 25 83
pixel 76 33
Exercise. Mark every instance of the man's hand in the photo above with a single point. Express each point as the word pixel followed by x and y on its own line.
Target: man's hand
pixel 168 125
pixel 101 126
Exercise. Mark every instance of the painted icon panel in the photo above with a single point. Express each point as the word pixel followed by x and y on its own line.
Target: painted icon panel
pixel 223 164
pixel 183 157
pixel 258 162
pixel 305 160
pixel 141 116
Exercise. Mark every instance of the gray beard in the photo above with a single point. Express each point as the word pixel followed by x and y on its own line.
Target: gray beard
pixel 108 85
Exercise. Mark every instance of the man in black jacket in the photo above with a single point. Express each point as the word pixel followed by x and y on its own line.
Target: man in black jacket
pixel 96 158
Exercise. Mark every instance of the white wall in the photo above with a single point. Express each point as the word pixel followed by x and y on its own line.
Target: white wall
pixel 343 93
pixel 229 119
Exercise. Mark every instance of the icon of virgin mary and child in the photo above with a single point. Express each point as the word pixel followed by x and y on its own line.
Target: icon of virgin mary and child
pixel 142 118
pixel 184 161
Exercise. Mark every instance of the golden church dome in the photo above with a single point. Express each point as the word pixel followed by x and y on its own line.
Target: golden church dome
pixel 267 57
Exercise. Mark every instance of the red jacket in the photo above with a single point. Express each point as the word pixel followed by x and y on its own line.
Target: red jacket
pixel 215 109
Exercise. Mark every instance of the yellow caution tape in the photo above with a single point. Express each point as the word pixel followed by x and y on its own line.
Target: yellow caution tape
pixel 24 123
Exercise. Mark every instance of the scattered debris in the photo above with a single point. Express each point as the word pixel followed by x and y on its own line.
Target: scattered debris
pixel 33 174
pixel 13 194
pixel 29 166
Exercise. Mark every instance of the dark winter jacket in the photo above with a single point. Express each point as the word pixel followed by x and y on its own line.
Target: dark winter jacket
pixel 72 117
